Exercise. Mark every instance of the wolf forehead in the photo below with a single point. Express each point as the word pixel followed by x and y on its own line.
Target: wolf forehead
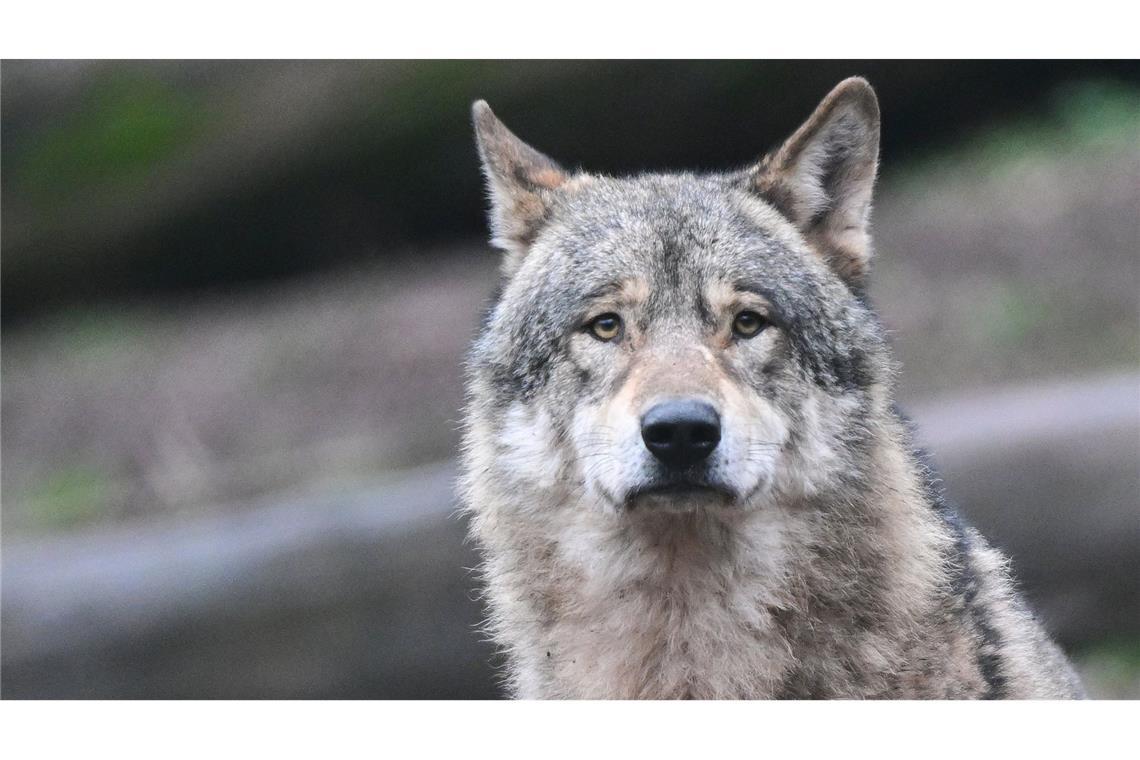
pixel 665 241
pixel 665 228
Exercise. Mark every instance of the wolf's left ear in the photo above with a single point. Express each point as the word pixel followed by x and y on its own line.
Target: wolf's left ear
pixel 822 177
pixel 520 181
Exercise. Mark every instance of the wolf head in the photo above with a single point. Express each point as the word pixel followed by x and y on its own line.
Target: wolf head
pixel 670 342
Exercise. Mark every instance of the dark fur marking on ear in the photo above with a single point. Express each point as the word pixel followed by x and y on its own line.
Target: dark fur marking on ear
pixel 781 197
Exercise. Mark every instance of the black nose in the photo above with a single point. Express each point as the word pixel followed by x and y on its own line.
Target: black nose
pixel 682 432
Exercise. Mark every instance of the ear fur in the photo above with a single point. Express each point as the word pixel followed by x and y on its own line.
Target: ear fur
pixel 821 178
pixel 521 183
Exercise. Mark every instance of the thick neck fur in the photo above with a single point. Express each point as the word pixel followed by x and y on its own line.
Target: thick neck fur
pixel 843 595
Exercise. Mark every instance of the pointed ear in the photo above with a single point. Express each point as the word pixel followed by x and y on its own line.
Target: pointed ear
pixel 521 183
pixel 822 177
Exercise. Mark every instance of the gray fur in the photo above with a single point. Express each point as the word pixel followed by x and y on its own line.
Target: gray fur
pixel 821 563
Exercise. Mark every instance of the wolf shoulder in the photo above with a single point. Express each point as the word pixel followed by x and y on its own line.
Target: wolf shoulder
pixel 1025 662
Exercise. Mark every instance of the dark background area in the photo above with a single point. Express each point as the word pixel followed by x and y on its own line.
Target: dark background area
pixel 236 297
pixel 123 178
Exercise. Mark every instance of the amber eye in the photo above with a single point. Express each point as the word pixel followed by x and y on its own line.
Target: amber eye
pixel 606 327
pixel 748 324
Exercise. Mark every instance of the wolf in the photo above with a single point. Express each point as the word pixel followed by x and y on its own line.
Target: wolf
pixel 682 463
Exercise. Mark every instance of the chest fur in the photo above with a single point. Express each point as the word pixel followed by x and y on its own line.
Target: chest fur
pixel 665 610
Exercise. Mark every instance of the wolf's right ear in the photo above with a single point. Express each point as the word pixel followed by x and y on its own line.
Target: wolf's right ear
pixel 521 183
pixel 821 178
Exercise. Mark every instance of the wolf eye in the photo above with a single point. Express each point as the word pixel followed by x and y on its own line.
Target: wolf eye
pixel 606 327
pixel 748 324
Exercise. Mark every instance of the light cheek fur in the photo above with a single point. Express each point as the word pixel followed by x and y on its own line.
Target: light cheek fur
pixel 528 446
pixel 753 439
pixel 817 457
pixel 607 448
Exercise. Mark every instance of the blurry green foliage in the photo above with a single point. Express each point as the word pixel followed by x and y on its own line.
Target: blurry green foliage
pixel 89 333
pixel 1079 116
pixel 1094 111
pixel 1111 667
pixel 1011 314
pixel 128 124
pixel 430 92
pixel 69 496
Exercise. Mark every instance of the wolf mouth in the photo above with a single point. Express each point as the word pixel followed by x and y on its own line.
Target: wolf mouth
pixel 680 493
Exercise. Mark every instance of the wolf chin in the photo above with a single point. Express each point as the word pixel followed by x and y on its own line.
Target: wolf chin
pixel 682 462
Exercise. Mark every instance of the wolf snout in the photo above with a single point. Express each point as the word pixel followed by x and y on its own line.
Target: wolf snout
pixel 681 432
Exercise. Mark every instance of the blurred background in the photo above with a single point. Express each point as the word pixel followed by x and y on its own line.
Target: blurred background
pixel 236 298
